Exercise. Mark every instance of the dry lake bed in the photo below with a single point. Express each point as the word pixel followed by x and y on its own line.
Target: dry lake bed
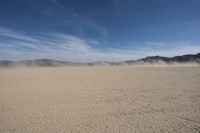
pixel 100 99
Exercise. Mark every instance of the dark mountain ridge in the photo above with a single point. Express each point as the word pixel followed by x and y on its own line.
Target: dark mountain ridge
pixel 189 58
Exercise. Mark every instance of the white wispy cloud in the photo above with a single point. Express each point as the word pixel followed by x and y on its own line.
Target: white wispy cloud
pixel 55 41
pixel 69 42
pixel 16 35
pixel 62 46
pixel 73 18
pixel 101 30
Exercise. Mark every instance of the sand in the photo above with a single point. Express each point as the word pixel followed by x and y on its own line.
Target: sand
pixel 104 99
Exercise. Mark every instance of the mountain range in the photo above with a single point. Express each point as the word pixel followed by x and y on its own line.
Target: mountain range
pixel 189 58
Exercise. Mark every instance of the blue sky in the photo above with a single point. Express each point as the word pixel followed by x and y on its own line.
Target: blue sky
pixel 92 30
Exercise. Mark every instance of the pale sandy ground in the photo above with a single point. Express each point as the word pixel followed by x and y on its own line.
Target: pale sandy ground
pixel 121 99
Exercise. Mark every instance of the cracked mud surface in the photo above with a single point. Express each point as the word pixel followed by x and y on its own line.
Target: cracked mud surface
pixel 121 99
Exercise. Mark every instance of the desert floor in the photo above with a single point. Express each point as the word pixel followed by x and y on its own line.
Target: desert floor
pixel 105 99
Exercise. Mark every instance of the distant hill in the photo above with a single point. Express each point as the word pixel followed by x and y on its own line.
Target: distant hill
pixel 6 63
pixel 177 59
pixel 147 60
pixel 43 62
pixel 38 62
pixel 187 58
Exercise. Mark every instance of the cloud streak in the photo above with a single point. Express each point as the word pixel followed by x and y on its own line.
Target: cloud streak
pixel 80 21
pixel 15 35
pixel 54 41
pixel 15 45
pixel 67 42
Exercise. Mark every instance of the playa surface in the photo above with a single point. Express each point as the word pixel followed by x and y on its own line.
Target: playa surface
pixel 100 99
